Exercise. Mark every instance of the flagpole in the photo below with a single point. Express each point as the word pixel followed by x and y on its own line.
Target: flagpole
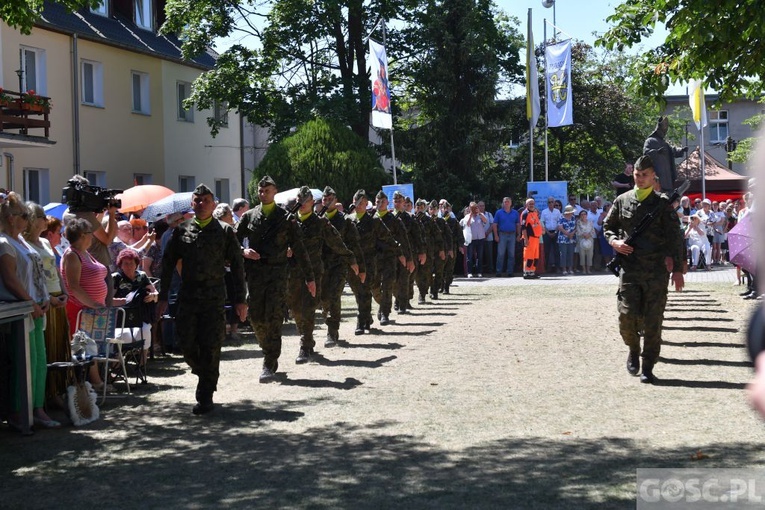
pixel 702 155
pixel 392 146
pixel 546 103
pixel 528 92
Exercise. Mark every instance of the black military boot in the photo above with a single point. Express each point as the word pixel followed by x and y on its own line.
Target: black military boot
pixel 332 337
pixel 421 299
pixel 384 321
pixel 633 362
pixel 302 356
pixel 204 403
pixel 368 326
pixel 359 328
pixel 269 372
pixel 446 290
pixel 647 376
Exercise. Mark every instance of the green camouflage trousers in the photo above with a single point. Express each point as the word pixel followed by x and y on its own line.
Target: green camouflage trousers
pixel 641 299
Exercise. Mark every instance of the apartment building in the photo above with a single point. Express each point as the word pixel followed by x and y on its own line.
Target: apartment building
pixel 117 115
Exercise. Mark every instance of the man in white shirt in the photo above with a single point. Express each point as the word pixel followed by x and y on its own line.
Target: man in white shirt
pixel 488 242
pixel 549 217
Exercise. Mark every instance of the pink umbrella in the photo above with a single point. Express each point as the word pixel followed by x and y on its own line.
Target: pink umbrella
pixel 140 197
pixel 741 244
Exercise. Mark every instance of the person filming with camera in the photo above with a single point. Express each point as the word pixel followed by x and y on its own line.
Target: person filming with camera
pixel 91 204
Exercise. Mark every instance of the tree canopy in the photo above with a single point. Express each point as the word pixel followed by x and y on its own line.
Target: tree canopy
pixel 721 43
pixel 23 14
pixel 322 152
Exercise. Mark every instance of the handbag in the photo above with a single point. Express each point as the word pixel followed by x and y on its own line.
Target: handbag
pixel 586 243
pixel 81 402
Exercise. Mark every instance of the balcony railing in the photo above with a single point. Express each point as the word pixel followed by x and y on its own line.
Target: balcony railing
pixel 20 112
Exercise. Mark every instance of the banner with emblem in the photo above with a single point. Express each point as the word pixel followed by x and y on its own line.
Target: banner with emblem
pixel 558 84
pixel 381 115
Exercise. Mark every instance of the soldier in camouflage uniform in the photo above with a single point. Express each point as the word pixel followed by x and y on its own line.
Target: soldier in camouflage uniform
pixel 266 231
pixel 417 245
pixel 204 246
pixel 376 242
pixel 433 245
pixel 439 263
pixel 646 266
pixel 458 244
pixel 336 268
pixel 409 208
pixel 384 285
pixel 318 235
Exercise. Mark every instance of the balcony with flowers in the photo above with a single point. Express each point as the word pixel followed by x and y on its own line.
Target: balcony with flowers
pixel 21 112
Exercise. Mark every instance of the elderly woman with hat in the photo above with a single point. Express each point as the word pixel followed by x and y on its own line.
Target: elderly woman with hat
pixel 567 240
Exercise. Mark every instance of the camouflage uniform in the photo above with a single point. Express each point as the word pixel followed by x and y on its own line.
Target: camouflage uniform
pixel 417 246
pixel 270 235
pixel 200 320
pixel 388 267
pixel 433 242
pixel 439 265
pixel 318 235
pixel 336 270
pixel 458 241
pixel 643 279
pixel 377 243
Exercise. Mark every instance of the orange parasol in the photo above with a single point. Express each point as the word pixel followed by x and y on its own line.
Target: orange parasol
pixel 140 197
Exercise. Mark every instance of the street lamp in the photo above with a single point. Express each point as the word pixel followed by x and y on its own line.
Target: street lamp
pixel 20 74
pixel 547 4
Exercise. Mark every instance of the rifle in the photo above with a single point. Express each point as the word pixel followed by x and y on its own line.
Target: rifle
pixel 615 264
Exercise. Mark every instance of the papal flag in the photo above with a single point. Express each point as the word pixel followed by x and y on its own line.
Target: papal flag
pixel 532 80
pixel 558 85
pixel 381 116
pixel 698 103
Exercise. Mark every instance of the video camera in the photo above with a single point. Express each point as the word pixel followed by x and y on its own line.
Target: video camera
pixel 82 197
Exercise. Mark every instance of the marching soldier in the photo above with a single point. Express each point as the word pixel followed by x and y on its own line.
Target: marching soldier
pixel 418 249
pixel 458 243
pixel 439 263
pixel 384 285
pixel 433 244
pixel 266 231
pixel 203 246
pixel 318 235
pixel 377 243
pixel 336 270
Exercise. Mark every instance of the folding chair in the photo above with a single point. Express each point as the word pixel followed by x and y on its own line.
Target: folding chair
pixel 100 325
pixel 132 336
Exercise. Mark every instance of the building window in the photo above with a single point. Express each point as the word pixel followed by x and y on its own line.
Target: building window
pixel 186 183
pixel 143 14
pixel 37 185
pixel 222 191
pixel 184 91
pixel 220 113
pixel 140 87
pixel 92 83
pixel 95 178
pixel 34 70
pixel 141 179
pixel 102 9
pixel 718 125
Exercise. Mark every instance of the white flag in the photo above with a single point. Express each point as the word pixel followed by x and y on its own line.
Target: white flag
pixel 381 113
pixel 532 80
pixel 558 85
pixel 698 103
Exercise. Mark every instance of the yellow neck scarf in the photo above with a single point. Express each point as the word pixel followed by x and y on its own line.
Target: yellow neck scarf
pixel 268 208
pixel 380 214
pixel 643 193
pixel 303 217
pixel 331 214
pixel 202 223
pixel 360 214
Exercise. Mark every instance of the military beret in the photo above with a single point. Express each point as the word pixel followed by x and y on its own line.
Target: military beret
pixel 397 194
pixel 381 194
pixel 202 189
pixel 421 202
pixel 643 162
pixel 447 204
pixel 304 194
pixel 266 181
pixel 329 191
pixel 433 204
pixel 359 195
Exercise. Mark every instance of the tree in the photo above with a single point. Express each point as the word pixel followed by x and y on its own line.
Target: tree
pixel 310 59
pixel 322 152
pixel 721 42
pixel 23 14
pixel 462 52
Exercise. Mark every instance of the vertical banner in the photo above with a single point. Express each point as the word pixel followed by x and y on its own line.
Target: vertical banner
pixel 558 85
pixel 698 103
pixel 532 80
pixel 381 115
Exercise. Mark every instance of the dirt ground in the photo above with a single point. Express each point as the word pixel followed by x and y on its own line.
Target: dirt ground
pixel 496 396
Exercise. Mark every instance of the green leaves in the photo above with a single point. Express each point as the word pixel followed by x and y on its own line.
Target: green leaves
pixel 23 14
